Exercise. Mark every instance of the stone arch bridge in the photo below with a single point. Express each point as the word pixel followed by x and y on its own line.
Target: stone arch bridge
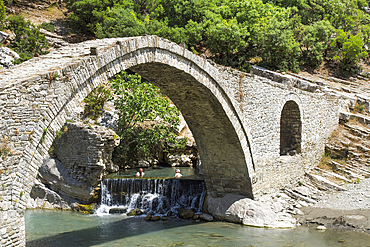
pixel 254 133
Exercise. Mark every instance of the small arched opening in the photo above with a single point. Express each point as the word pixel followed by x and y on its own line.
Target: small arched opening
pixel 290 129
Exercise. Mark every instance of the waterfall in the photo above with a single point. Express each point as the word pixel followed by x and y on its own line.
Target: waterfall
pixel 152 196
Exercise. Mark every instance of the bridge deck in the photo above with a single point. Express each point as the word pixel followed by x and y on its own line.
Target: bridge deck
pixel 56 59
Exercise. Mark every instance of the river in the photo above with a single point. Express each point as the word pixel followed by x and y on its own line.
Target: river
pixel 64 228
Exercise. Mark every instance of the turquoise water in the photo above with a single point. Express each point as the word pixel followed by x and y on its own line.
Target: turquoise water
pixel 65 228
pixel 158 171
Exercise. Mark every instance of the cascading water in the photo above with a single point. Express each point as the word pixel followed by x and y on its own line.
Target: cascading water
pixel 152 196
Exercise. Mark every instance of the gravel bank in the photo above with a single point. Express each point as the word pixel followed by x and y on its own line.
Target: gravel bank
pixel 348 209
pixel 357 197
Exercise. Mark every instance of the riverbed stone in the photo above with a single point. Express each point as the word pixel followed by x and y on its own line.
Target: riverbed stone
pixel 240 209
pixel 206 217
pixel 185 213
pixel 117 211
pixel 155 218
pixel 135 212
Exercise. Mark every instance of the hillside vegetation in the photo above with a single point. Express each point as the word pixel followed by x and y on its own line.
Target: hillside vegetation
pixel 280 35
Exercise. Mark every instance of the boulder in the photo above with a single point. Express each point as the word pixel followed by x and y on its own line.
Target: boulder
pixel 40 194
pixel 135 212
pixel 155 218
pixel 117 211
pixel 241 209
pixel 185 213
pixel 84 155
pixel 3 37
pixel 206 217
pixel 56 176
pixel 148 217
pixel 7 56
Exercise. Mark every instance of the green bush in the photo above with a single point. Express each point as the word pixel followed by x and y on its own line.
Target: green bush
pixel 94 102
pixel 348 50
pixel 315 42
pixel 279 49
pixel 119 22
pixel 28 41
pixel 49 26
pixel 280 32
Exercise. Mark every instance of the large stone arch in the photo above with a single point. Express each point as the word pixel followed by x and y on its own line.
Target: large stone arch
pixel 190 81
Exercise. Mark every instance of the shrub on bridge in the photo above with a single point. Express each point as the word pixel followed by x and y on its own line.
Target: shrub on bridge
pixel 95 101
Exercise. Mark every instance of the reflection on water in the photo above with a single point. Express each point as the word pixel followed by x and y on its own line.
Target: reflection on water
pixel 64 228
pixel 158 171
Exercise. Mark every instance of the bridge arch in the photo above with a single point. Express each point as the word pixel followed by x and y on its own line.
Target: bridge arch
pixel 190 81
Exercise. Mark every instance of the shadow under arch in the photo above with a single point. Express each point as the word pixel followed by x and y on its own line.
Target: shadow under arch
pixel 222 156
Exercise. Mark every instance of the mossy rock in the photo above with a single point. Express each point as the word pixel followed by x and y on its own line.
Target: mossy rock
pixel 117 211
pixel 155 218
pixel 185 213
pixel 86 209
pixel 135 212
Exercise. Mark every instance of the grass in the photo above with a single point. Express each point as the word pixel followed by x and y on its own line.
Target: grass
pixel 48 26
pixel 4 149
pixel 359 108
pixel 325 162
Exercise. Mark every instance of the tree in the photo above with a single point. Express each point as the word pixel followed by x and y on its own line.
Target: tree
pixel 278 47
pixel 120 22
pixel 349 50
pixel 315 41
pixel 146 118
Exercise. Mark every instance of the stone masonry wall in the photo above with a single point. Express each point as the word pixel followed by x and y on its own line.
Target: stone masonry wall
pixel 234 116
pixel 86 152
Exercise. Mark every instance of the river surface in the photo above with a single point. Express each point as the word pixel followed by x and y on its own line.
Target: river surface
pixel 64 228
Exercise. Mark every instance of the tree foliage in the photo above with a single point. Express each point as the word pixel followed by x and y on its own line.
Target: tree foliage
pixel 283 34
pixel 146 118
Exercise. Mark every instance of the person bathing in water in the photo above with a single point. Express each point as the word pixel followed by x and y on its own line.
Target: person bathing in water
pixel 178 174
pixel 140 173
